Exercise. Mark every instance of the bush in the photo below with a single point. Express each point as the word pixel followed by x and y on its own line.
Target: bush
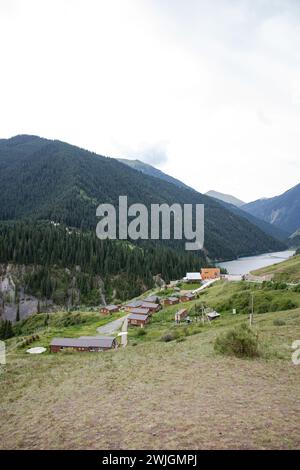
pixel 279 322
pixel 141 332
pixel 280 286
pixel 264 307
pixel 282 304
pixel 239 342
pixel 170 336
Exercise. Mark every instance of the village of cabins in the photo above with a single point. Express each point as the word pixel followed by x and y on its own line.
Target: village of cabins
pixel 139 314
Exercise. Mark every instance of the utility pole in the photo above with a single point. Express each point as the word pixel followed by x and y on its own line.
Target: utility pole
pixel 252 309
pixel 202 316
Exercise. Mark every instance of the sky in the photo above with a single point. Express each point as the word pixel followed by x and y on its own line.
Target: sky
pixel 206 90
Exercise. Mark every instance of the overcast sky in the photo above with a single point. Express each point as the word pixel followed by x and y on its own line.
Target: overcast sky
pixel 207 90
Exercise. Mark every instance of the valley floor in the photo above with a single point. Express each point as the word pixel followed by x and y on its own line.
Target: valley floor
pixel 155 395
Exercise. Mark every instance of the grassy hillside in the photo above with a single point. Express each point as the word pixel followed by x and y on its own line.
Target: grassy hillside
pixel 287 271
pixel 155 394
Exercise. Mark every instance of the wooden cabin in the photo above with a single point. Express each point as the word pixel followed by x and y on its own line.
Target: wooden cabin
pixel 210 273
pixel 153 307
pixel 109 309
pixel 141 311
pixel 84 344
pixel 138 319
pixel 187 297
pixel 193 277
pixel 171 301
pixel 132 305
pixel 181 315
pixel 153 299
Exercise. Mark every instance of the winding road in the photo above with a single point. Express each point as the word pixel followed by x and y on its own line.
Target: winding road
pixel 113 326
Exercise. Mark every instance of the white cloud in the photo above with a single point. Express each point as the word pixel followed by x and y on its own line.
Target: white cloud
pixel 207 90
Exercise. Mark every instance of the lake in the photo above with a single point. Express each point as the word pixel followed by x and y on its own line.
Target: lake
pixel 250 263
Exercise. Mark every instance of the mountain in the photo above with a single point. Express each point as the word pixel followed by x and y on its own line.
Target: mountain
pixel 152 171
pixel 281 211
pixel 270 229
pixel 230 202
pixel 42 179
pixel 294 239
pixel 225 198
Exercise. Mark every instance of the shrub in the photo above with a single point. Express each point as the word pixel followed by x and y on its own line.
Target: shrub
pixel 282 304
pixel 280 286
pixel 279 322
pixel 263 307
pixel 141 332
pixel 240 342
pixel 170 336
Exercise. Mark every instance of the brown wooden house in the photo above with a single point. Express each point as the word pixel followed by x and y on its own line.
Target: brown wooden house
pixel 153 307
pixel 187 297
pixel 109 309
pixel 171 301
pixel 138 319
pixel 210 273
pixel 152 298
pixel 141 311
pixel 181 315
pixel 84 344
pixel 132 305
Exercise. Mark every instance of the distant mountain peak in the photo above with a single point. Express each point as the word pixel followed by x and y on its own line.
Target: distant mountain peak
pixel 152 171
pixel 226 198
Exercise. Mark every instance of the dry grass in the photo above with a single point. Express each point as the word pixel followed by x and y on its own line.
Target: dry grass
pixel 154 396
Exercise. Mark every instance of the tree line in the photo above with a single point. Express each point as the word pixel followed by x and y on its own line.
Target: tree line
pixel 131 267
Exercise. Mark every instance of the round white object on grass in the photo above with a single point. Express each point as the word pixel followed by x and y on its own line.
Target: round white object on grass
pixel 38 350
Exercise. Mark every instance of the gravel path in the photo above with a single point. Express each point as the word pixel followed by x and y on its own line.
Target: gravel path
pixel 112 327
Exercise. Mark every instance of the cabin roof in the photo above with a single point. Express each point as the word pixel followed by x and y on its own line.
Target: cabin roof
pixel 84 342
pixel 151 298
pixel 140 311
pixel 193 276
pixel 188 294
pixel 213 314
pixel 134 316
pixel 110 307
pixel 134 303
pixel 149 305
pixel 181 311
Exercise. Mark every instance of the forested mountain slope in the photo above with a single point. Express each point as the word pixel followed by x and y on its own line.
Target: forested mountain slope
pixel 266 227
pixel 52 180
pixel 283 211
